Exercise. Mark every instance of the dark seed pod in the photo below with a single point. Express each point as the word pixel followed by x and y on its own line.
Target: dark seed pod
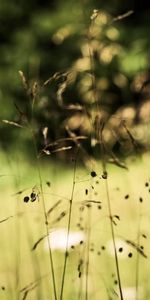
pixel 120 249
pixel 93 174
pixel 103 248
pixel 99 207
pixel 86 191
pixel 26 199
pixel 104 175
pixel 81 242
pixel 92 249
pixel 88 205
pixel 130 254
pixel 33 197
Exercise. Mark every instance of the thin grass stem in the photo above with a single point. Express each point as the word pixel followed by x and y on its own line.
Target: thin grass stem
pixel 138 255
pixel 45 217
pixel 68 228
pixel 113 238
pixel 88 251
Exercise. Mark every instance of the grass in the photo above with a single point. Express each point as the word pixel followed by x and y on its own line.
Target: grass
pixel 107 204
pixel 21 266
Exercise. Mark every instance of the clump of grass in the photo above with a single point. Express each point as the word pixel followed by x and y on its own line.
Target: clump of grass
pixel 88 206
pixel 32 94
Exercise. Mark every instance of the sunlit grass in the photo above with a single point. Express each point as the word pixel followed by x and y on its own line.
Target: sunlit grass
pixel 23 225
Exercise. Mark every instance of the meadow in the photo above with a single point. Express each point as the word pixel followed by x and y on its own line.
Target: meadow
pixel 74 177
pixel 90 263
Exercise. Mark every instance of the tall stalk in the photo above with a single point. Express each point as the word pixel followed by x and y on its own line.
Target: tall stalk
pixel 88 251
pixel 68 228
pixel 17 250
pixel 32 94
pixel 138 255
pixel 113 238
pixel 105 176
pixel 98 133
pixel 45 216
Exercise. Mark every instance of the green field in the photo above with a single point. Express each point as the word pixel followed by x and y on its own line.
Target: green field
pixel 91 268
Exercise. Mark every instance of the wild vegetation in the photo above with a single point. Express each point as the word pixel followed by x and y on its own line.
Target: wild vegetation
pixel 74 213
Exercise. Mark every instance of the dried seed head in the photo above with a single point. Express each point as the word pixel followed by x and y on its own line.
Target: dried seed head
pixel 34 89
pixel 24 81
pixel 94 14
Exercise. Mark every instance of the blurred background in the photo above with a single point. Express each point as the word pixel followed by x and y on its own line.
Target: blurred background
pixel 51 44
